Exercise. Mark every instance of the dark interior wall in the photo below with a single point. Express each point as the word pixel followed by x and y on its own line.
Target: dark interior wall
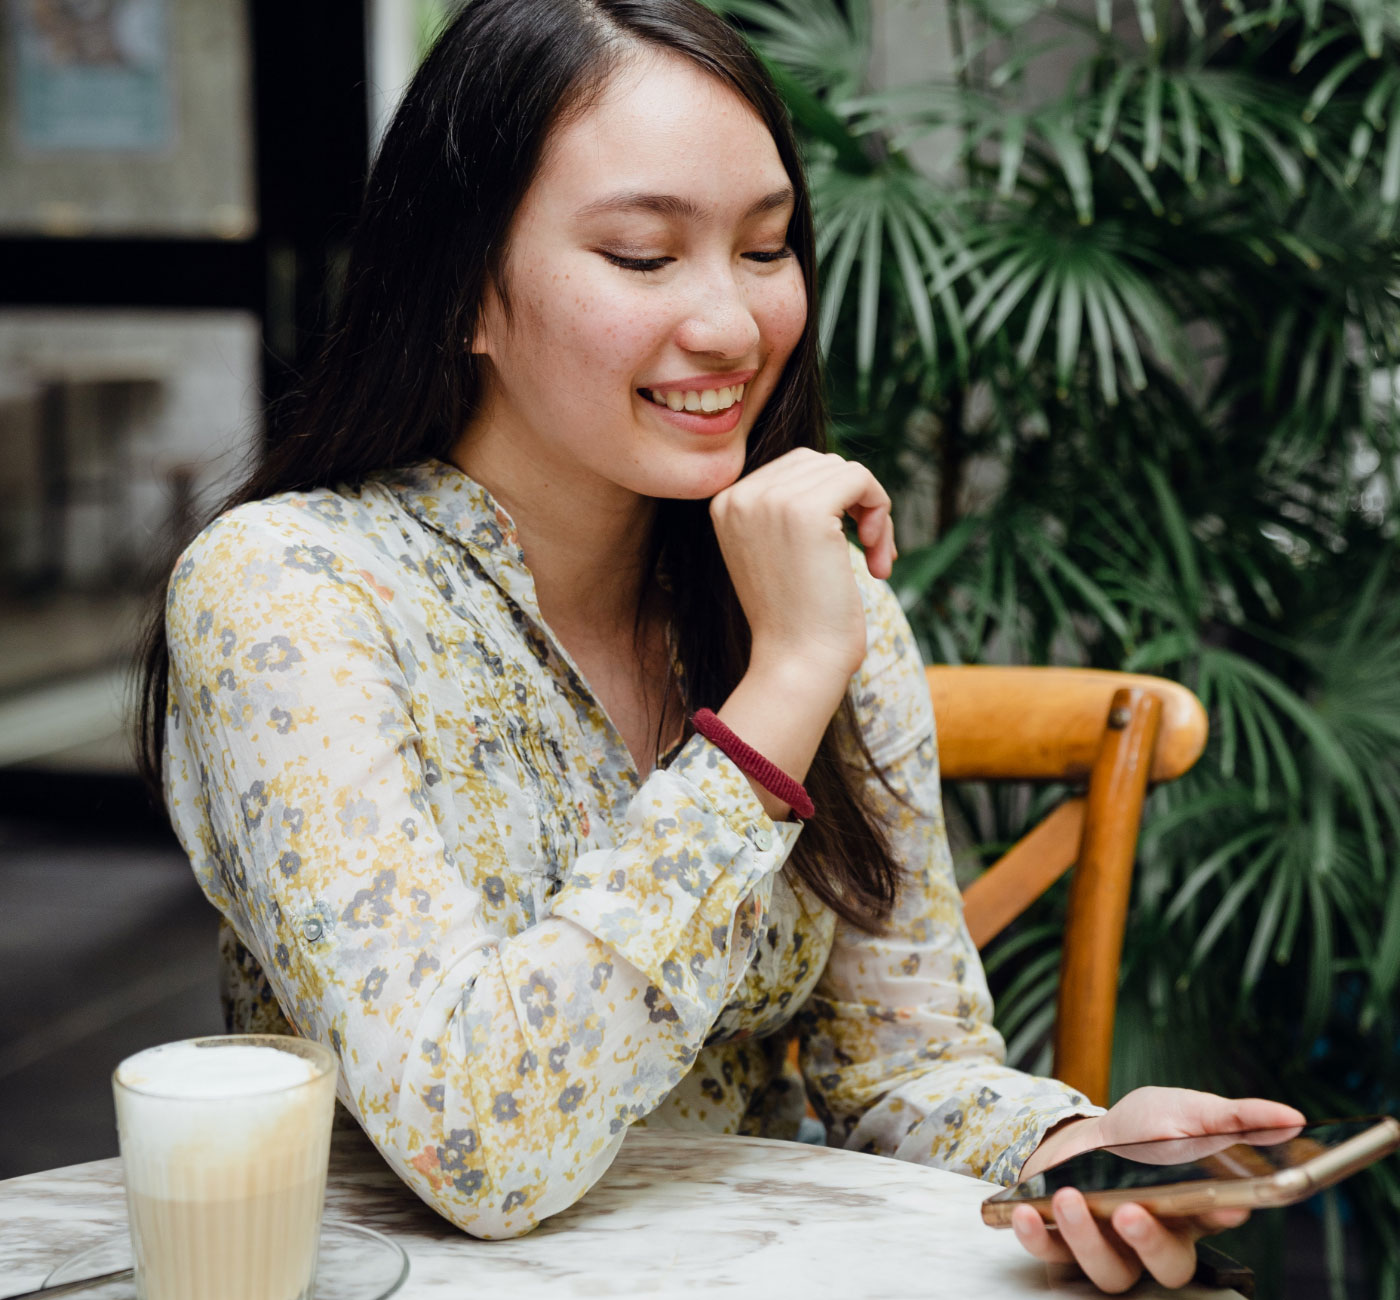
pixel 88 865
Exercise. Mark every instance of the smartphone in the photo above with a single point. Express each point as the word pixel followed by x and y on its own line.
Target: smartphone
pixel 1175 1177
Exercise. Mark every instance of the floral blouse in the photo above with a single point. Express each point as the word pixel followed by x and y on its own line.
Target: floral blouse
pixel 432 851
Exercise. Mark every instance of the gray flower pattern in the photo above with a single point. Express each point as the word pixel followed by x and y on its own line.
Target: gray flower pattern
pixel 433 852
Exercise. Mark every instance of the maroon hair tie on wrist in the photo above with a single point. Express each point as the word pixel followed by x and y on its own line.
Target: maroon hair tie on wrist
pixel 751 763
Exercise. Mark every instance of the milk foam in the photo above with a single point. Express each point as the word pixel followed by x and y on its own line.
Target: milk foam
pixel 186 1070
pixel 207 1121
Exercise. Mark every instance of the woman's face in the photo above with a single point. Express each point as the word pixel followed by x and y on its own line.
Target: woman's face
pixel 648 260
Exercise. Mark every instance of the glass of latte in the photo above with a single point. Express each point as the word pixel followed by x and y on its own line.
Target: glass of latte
pixel 224 1145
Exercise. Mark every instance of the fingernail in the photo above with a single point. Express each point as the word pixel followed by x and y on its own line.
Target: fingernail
pixel 1133 1228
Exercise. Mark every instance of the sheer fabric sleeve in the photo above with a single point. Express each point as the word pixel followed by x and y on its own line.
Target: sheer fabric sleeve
pixel 497 1074
pixel 898 1049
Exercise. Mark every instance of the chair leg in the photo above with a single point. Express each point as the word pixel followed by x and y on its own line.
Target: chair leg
pixel 1099 890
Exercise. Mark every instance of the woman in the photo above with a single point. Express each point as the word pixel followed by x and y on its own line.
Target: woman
pixel 558 485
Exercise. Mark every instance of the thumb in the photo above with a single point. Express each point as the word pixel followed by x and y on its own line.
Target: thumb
pixel 1214 1114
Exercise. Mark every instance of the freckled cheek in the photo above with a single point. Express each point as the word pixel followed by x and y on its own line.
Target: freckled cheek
pixel 597 331
pixel 781 315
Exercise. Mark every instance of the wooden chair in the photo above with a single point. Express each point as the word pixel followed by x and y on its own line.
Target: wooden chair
pixel 1113 733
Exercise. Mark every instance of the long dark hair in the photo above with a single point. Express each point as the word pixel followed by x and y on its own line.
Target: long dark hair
pixel 396 384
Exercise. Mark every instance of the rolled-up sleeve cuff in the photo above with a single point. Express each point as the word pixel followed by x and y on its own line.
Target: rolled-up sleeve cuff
pixel 716 775
pixel 992 1136
pixel 1006 1168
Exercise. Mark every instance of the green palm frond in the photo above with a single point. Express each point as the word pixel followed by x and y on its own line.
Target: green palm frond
pixel 1139 330
pixel 825 49
pixel 1046 289
pixel 881 232
pixel 1376 21
pixel 1190 119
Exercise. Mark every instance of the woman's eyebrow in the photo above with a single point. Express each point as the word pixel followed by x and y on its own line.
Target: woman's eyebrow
pixel 676 207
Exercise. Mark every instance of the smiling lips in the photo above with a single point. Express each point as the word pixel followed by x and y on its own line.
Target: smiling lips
pixel 707 400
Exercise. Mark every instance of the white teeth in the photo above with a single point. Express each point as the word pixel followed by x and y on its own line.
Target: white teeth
pixel 708 400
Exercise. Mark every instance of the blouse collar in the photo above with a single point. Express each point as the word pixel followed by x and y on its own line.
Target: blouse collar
pixel 441 496
pixel 447 500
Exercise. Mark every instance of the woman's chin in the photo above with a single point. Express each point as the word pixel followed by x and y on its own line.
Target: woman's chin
pixel 696 478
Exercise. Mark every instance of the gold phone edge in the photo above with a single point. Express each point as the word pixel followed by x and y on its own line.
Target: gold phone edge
pixel 1179 1199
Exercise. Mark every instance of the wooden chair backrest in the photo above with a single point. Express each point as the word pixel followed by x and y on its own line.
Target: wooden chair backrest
pixel 1117 732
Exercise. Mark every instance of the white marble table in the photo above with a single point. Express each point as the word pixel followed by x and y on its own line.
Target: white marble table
pixel 676 1214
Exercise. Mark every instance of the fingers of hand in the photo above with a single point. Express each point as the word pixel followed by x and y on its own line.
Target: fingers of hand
pixel 1239 1114
pixel 1032 1233
pixel 840 483
pixel 1205 1112
pixel 1167 1252
pixel 1105 1260
pixel 1260 1113
pixel 875 530
pixel 854 490
pixel 870 523
pixel 805 488
pixel 888 551
pixel 826 484
pixel 880 558
pixel 858 488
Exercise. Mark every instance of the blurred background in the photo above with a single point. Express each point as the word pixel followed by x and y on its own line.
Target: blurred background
pixel 177 178
pixel 1109 300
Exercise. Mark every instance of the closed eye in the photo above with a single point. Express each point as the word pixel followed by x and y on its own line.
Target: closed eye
pixel 645 264
pixel 642 264
pixel 776 255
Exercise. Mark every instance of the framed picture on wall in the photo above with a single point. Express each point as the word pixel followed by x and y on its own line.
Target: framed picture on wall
pixel 126 118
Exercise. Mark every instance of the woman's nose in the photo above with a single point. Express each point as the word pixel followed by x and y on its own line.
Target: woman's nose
pixel 720 320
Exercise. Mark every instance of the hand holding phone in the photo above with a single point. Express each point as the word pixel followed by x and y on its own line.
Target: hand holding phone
pixel 1180 1177
pixel 1113 1252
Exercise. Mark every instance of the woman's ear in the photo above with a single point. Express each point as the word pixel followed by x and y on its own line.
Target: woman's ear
pixel 482 341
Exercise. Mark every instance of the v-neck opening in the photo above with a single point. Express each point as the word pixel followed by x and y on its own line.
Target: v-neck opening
pixel 444 497
pixel 668 755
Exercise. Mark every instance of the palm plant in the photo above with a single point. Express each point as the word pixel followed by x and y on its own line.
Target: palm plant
pixel 1148 337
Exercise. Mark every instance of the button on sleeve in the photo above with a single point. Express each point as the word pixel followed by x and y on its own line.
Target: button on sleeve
pixel 497 1073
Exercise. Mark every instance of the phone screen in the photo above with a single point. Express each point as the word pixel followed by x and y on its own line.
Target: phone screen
pixel 1186 1160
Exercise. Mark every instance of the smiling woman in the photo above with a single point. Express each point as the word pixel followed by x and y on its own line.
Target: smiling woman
pixel 419 696
pixel 630 271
